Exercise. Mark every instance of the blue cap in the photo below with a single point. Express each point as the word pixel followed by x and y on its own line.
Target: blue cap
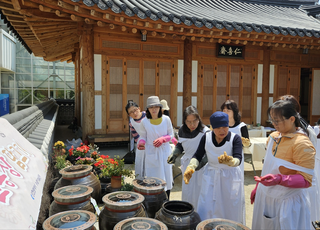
pixel 219 119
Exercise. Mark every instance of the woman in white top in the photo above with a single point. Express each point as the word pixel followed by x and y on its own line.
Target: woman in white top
pixel 189 135
pixel 155 133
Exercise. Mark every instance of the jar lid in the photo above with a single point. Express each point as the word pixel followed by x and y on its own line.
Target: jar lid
pixel 140 223
pixel 72 193
pixel 122 200
pixel 75 171
pixel 217 224
pixel 70 220
pixel 149 185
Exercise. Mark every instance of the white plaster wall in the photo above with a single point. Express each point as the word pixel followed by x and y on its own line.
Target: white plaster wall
pixel 98 112
pixel 258 119
pixel 180 76
pixel 97 72
pixel 260 72
pixel 194 76
pixel 271 79
pixel 179 110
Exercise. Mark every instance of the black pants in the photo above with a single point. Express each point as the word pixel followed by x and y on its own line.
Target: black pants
pixel 168 194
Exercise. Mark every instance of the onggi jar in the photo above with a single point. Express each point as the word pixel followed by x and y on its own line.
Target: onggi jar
pixel 70 220
pixel 80 175
pixel 141 223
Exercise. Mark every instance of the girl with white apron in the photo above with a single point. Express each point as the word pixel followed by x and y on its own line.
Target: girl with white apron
pixel 155 133
pixel 221 192
pixel 156 157
pixel 140 155
pixel 191 191
pixel 280 207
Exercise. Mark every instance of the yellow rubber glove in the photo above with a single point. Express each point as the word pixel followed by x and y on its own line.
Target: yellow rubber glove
pixel 245 142
pixel 228 160
pixel 190 170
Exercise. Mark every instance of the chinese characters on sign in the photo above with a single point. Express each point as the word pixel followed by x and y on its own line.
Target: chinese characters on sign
pixel 230 51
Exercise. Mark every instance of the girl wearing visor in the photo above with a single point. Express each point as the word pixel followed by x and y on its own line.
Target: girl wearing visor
pixel 221 191
pixel 155 133
pixel 280 199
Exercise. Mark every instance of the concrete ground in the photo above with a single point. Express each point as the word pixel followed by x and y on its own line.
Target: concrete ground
pixel 63 133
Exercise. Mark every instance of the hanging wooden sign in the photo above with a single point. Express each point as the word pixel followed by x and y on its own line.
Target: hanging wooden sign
pixel 230 51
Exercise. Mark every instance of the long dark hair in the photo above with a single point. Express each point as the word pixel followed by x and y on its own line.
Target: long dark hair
pixel 191 110
pixel 296 104
pixel 130 104
pixel 231 105
pixel 148 114
pixel 286 109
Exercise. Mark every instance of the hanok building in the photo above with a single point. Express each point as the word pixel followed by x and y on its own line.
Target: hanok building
pixel 187 52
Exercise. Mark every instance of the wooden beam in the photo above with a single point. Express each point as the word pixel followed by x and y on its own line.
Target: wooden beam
pixel 187 71
pixel 76 18
pixel 16 4
pixel 89 21
pixel 101 24
pixel 96 14
pixel 61 14
pixel 46 9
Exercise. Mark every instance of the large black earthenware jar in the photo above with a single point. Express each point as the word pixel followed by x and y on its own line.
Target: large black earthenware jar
pixel 80 175
pixel 73 197
pixel 141 223
pixel 152 189
pixel 178 215
pixel 71 220
pixel 218 223
pixel 120 206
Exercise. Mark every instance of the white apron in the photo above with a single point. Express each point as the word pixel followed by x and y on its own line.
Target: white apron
pixel 279 207
pixel 140 155
pixel 237 130
pixel 221 190
pixel 315 189
pixel 156 157
pixel 191 191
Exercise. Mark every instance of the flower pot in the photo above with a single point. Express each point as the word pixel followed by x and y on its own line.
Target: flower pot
pixel 116 181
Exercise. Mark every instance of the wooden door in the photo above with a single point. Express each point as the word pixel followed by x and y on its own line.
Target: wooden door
pixel 288 82
pixel 149 80
pixel 115 97
pixel 219 82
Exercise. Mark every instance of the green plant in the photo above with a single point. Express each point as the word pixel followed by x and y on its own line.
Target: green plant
pixel 61 162
pixel 115 167
pixel 126 187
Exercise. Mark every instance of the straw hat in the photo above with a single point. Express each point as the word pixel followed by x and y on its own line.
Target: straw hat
pixel 164 104
pixel 153 101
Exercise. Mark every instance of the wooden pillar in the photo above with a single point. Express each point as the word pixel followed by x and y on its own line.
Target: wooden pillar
pixel 265 86
pixel 187 71
pixel 77 88
pixel 87 81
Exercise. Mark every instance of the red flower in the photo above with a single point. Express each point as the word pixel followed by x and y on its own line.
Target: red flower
pixel 71 152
